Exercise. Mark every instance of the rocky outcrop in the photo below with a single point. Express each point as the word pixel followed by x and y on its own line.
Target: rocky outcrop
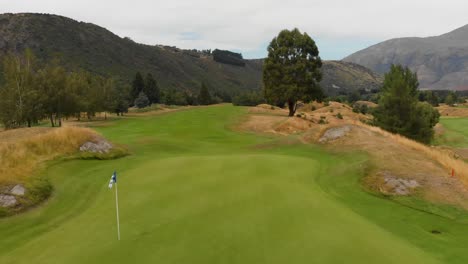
pixel 441 62
pixel 100 146
pixel 334 133
pixel 7 200
pixel 8 197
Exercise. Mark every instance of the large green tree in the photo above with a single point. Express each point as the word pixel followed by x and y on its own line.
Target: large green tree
pixel 399 110
pixel 291 71
pixel 20 102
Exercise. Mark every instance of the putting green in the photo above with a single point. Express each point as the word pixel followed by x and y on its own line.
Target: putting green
pixel 194 191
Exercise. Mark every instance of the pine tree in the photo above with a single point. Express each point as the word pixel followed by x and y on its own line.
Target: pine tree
pixel 399 110
pixel 151 89
pixel 204 98
pixel 137 86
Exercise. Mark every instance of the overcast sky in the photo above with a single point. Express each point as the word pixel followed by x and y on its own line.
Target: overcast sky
pixel 340 27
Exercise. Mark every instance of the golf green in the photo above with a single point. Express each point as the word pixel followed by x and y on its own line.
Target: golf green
pixel 196 191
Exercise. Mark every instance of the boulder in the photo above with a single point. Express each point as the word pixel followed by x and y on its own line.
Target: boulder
pixel 18 190
pixel 7 200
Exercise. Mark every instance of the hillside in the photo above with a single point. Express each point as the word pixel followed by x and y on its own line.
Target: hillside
pixel 98 50
pixel 341 77
pixel 93 48
pixel 441 61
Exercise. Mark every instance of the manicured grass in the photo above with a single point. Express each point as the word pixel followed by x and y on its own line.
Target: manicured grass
pixel 455 132
pixel 194 191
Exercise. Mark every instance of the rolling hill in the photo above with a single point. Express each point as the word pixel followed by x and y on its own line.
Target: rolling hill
pixel 441 61
pixel 95 49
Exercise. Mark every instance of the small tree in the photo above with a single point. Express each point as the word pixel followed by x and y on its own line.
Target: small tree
pixel 451 98
pixel 291 71
pixel 204 98
pixel 142 100
pixel 399 110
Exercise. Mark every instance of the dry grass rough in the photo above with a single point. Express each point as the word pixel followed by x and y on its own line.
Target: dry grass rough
pixel 20 158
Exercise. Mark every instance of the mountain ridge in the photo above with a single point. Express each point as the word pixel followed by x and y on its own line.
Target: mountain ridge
pixel 440 61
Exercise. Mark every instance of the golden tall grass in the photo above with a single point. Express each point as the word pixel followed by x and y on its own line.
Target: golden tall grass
pixel 19 159
pixel 445 159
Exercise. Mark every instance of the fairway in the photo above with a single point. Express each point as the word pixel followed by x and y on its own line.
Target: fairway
pixel 455 132
pixel 195 190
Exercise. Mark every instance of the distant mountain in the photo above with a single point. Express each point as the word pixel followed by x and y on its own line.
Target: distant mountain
pixel 441 62
pixel 95 49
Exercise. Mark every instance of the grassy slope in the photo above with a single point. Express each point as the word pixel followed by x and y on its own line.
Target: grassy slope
pixel 455 132
pixel 196 192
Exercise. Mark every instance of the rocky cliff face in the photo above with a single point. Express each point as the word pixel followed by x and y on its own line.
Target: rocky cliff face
pixel 441 62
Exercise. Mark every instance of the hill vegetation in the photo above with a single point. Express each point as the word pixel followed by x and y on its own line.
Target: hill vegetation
pixel 91 48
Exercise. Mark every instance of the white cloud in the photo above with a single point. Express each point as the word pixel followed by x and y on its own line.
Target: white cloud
pixel 247 25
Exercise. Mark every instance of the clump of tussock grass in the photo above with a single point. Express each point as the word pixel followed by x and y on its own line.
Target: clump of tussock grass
pixel 20 159
pixel 443 158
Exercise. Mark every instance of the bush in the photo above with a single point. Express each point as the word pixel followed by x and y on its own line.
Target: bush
pixel 363 109
pixel 142 100
pixel 356 108
pixel 339 116
pixel 323 120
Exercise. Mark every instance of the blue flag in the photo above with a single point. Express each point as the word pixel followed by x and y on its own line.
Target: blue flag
pixel 113 180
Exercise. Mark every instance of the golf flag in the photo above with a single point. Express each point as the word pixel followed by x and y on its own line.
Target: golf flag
pixel 113 180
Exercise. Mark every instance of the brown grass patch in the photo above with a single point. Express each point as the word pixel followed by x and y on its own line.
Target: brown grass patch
pixel 446 110
pixel 21 157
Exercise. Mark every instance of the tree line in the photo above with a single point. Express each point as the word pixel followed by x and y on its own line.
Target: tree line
pixel 146 91
pixel 33 91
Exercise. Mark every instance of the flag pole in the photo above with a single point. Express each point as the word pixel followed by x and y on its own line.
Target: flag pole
pixel 117 210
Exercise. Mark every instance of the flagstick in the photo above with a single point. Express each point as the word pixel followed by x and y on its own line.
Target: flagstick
pixel 117 209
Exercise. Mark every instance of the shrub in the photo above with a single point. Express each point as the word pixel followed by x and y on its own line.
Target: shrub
pixel 339 116
pixel 363 109
pixel 323 120
pixel 142 100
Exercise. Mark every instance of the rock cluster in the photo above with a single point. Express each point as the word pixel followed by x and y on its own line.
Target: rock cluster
pixel 398 186
pixel 8 197
pixel 334 133
pixel 100 146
